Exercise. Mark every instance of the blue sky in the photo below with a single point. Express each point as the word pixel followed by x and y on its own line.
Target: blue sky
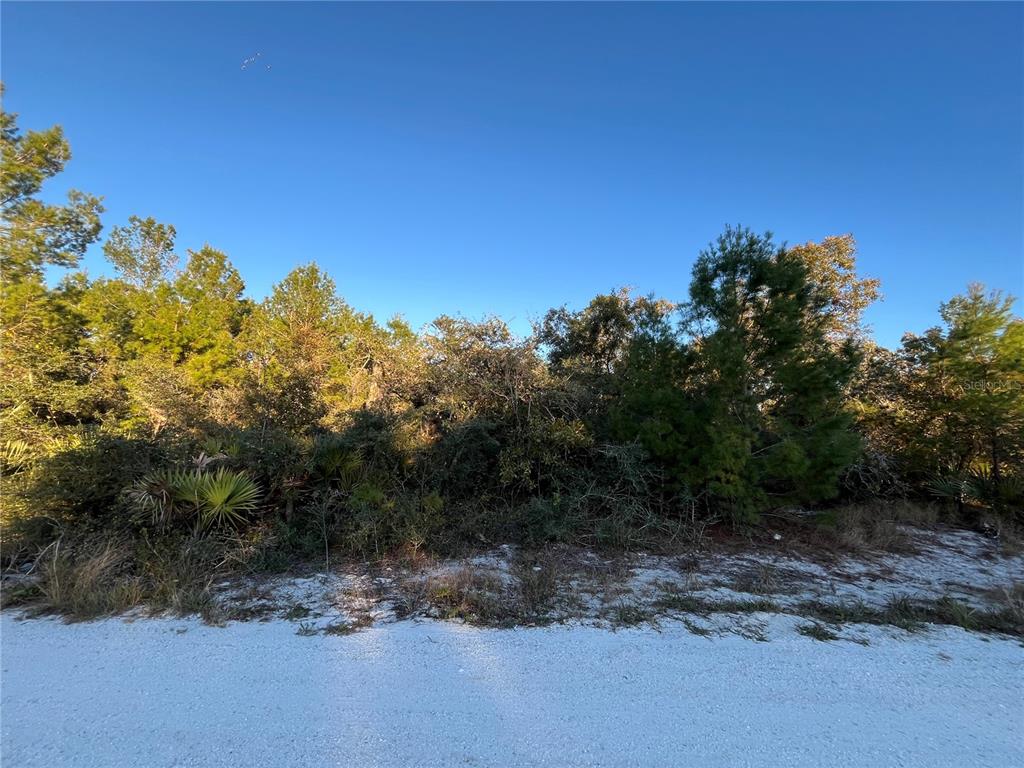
pixel 452 158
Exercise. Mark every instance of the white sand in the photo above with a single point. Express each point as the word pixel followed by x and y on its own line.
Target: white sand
pixel 177 693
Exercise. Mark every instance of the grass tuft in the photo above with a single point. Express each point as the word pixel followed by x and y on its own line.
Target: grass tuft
pixel 817 631
pixel 623 614
pixel 83 585
pixel 362 621
pixel 306 629
pixel 467 594
pixel 295 612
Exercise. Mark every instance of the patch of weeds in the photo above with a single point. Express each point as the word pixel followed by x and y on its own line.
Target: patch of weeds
pixel 1007 618
pixel 764 580
pixel 696 628
pixel 14 594
pixel 88 581
pixel 180 579
pixel 254 593
pixel 678 604
pixel 349 627
pixel 687 565
pixel 410 599
pixel 527 596
pixel 306 629
pixel 295 612
pixel 670 601
pixel 876 525
pixel 342 628
pixel 901 612
pixel 817 631
pixel 614 592
pixel 1008 534
pixel 606 579
pixel 473 596
pixel 744 606
pixel 677 601
pixel 629 615
pixel 537 583
pixel 1012 599
pixel 410 558
pixel 751 630
pixel 954 612
pixel 839 612
pixel 214 615
pixel 261 611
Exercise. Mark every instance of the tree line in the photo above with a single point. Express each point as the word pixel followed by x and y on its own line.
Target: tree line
pixel 164 402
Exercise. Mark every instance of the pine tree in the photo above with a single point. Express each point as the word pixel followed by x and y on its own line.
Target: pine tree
pixel 967 393
pixel 775 429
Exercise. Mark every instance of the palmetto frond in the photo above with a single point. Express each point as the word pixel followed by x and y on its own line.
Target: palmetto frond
pixel 225 496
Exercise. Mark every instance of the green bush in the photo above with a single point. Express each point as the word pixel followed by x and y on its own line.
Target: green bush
pixel 209 499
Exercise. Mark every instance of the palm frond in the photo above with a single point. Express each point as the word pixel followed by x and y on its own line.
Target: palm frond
pixel 14 456
pixel 225 497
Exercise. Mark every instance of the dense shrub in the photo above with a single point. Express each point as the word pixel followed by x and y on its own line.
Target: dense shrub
pixel 161 405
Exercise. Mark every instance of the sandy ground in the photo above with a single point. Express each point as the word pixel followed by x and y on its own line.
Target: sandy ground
pixel 583 586
pixel 161 692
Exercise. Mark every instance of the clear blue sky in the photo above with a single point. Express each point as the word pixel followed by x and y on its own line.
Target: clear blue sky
pixel 444 158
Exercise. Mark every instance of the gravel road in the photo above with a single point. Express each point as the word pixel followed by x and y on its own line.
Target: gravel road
pixel 177 693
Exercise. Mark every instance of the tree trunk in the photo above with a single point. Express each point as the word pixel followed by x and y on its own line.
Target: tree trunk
pixel 996 475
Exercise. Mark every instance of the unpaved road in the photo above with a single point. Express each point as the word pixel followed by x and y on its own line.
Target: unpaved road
pixel 177 693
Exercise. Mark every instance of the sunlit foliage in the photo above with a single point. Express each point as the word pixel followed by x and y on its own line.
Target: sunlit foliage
pixel 162 400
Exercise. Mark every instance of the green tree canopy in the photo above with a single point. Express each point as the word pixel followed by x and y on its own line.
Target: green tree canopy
pixel 35 234
pixel 968 384
pixel 776 430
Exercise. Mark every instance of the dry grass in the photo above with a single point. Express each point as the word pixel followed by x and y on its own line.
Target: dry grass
pixel 859 527
pixel 817 631
pixel 1008 614
pixel 629 614
pixel 541 581
pixel 528 594
pixel 900 612
pixel 673 600
pixel 538 589
pixel 607 579
pixel 470 594
pixel 359 622
pixel 877 526
pixel 1012 599
pixel 182 583
pixel 295 612
pixel 911 615
pixel 18 592
pixel 91 578
pixel 106 577
pixel 1009 535
pixel 765 579
pixel 350 627
pixel 408 558
pixel 86 585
